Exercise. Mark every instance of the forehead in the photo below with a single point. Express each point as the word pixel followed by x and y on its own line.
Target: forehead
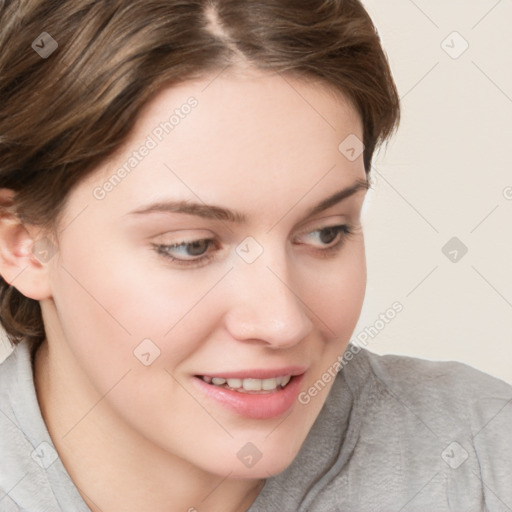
pixel 239 139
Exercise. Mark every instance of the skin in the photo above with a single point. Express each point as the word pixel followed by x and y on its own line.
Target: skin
pixel 136 437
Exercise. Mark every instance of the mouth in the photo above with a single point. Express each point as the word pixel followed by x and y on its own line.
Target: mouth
pixel 256 398
pixel 249 385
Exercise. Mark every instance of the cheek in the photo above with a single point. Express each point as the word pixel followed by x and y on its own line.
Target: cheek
pixel 112 302
pixel 336 293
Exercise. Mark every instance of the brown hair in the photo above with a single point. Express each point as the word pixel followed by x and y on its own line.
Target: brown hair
pixel 64 113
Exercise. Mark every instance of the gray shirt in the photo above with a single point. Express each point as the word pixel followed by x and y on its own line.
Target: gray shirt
pixel 395 434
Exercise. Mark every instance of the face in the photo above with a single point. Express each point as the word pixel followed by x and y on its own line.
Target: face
pixel 148 295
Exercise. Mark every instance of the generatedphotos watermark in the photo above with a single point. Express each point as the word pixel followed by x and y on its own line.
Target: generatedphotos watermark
pixel 352 349
pixel 152 140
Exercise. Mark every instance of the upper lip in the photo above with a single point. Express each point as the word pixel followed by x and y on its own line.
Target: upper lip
pixel 257 373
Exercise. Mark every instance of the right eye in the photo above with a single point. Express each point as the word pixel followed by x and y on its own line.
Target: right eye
pixel 191 253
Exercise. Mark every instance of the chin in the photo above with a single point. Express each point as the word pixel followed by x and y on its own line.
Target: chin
pixel 250 464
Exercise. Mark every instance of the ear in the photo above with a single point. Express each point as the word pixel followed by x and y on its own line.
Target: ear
pixel 24 253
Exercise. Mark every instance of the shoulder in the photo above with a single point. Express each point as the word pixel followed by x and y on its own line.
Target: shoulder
pixel 449 395
pixel 32 476
pixel 464 412
pixel 438 382
pixel 446 392
pixel 19 406
pixel 421 419
pixel 406 369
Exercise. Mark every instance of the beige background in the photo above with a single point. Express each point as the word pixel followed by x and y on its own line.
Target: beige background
pixel 444 175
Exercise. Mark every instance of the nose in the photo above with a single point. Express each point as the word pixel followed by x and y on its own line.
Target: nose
pixel 265 304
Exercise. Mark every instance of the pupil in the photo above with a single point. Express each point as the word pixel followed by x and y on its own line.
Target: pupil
pixel 331 235
pixel 198 247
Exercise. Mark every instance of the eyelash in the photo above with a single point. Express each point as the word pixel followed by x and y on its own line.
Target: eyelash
pixel 345 230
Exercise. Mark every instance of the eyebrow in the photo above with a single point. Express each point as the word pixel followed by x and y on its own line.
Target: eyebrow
pixel 208 211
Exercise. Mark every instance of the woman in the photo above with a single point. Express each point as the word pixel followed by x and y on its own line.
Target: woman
pixel 182 264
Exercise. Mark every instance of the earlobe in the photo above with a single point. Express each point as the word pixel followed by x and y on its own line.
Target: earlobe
pixel 20 264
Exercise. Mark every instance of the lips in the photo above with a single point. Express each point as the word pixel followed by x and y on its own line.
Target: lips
pixel 257 404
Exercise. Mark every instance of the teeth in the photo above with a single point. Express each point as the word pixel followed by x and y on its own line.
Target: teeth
pixel 285 380
pixel 250 384
pixel 268 384
pixel 235 383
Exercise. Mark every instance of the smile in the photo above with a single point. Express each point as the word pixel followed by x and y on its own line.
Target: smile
pixel 249 384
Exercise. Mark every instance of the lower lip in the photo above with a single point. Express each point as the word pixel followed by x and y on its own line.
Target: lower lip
pixel 255 406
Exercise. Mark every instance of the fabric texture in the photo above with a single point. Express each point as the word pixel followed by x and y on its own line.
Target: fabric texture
pixel 395 434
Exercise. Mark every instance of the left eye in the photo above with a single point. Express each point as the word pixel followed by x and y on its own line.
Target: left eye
pixel 327 237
